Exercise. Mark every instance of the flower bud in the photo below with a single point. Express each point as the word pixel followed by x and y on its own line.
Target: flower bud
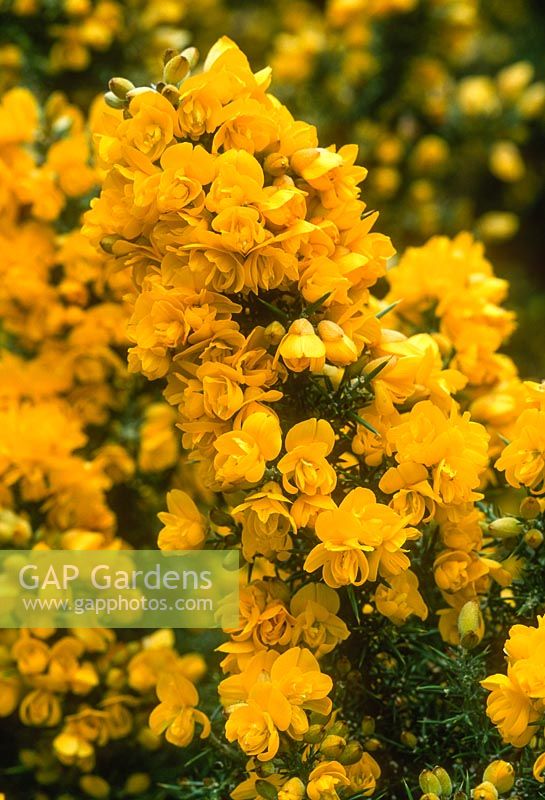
pixel 372 744
pixel 485 791
pixel 409 739
pixel 332 746
pixel 351 754
pixel 137 784
pixel 113 100
pixel 107 243
pixel 339 728
pixel 429 782
pixel 120 87
pixel 274 332
pixel 430 796
pixel 276 164
pixel 94 786
pixel 266 790
pixel 533 538
pixel 444 779
pixel 470 625
pixel 505 527
pixel 501 774
pixel 176 69
pixel 368 726
pixel 530 508
pixel 172 94
pixel 191 55
pixel 314 734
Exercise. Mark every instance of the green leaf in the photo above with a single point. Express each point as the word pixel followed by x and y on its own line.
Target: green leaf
pixel 364 422
pixel 387 310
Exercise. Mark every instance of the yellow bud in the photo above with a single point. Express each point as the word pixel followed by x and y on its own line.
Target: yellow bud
pixel 137 783
pixel 276 164
pixel 191 54
pixel 372 744
pixel 368 726
pixel 107 243
pixel 172 94
pixel 149 740
pixel 506 162
pixel 501 774
pixel 339 728
pixel 530 508
pixel 430 796
pixel 532 102
pixel 351 754
pixel 444 779
pixel 429 782
pixel 409 739
pixel 332 746
pixel 113 100
pixel 514 78
pixel 120 87
pixel 505 527
pixel 314 734
pixel 274 333
pixel 470 625
pixel 176 69
pixel 367 609
pixel 485 791
pixel 533 538
pixel 498 226
pixel 95 786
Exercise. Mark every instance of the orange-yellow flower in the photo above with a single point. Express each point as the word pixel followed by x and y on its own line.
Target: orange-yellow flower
pixel 301 348
pixel 304 467
pixel 242 454
pixel 176 714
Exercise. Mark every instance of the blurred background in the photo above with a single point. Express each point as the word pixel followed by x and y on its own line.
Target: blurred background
pixel 445 98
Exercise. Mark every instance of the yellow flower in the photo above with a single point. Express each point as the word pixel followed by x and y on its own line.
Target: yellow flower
pixel 363 775
pixel 401 598
pixel 359 539
pixel 485 791
pixel 325 779
pixel 510 708
pixel 301 348
pixel 304 467
pixel 41 708
pixel 456 569
pixel 501 774
pixel 524 457
pixel 271 695
pixel 316 624
pixel 150 127
pixel 242 453
pixel 339 348
pixel 293 789
pixel 538 769
pixel 176 713
pixel 10 691
pixel 185 527
pixel 266 523
pixel 32 655
pixel 255 729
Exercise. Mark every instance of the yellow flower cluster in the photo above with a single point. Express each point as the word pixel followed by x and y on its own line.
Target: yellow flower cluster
pixel 67 448
pixel 332 441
